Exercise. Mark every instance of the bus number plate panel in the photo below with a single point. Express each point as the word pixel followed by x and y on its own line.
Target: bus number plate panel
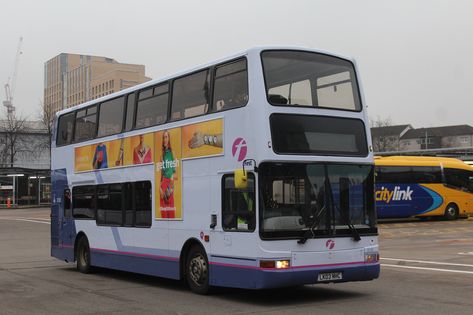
pixel 329 276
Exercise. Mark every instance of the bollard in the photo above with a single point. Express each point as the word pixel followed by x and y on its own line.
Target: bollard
pixel 8 202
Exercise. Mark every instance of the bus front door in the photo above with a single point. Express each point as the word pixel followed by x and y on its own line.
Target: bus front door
pixel 62 224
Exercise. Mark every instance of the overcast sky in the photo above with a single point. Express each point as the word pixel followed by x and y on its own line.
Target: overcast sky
pixel 415 57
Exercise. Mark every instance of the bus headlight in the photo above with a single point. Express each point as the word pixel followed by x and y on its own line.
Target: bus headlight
pixel 275 264
pixel 371 257
pixel 282 264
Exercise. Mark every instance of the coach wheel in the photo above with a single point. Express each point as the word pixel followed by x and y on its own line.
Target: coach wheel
pixel 197 270
pixel 451 212
pixel 83 256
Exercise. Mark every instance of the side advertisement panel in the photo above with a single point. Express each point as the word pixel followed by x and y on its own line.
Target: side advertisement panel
pixel 405 200
pixel 115 153
pixel 166 149
pixel 202 139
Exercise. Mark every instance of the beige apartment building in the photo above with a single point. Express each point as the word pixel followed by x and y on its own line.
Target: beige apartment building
pixel 71 79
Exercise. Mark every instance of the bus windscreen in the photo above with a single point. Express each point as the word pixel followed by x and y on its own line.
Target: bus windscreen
pixel 296 78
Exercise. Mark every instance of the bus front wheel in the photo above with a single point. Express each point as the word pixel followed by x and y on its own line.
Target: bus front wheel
pixel 83 255
pixel 197 270
pixel 451 212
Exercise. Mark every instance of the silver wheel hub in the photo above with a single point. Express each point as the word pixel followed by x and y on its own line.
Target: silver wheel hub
pixel 83 257
pixel 198 269
pixel 451 211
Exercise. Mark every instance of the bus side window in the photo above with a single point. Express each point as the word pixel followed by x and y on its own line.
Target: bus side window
pixel 67 203
pixel 143 197
pixel 65 128
pixel 190 95
pixel 230 85
pixel 238 205
pixel 84 200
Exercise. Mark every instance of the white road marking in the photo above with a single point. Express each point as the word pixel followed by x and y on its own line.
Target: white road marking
pixel 466 253
pixel 28 220
pixel 427 262
pixel 428 269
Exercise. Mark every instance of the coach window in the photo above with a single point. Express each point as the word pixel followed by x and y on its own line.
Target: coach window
pixel 130 111
pixel 231 86
pixel 393 174
pixel 86 122
pixel 109 205
pixel 83 202
pixel 458 178
pixel 65 129
pixel 152 106
pixel 111 117
pixel 142 196
pixel 426 174
pixel 190 96
pixel 238 205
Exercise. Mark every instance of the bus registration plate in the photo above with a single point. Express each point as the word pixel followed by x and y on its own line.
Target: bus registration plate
pixel 329 276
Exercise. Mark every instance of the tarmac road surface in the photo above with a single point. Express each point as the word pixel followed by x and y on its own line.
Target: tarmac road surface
pixel 427 268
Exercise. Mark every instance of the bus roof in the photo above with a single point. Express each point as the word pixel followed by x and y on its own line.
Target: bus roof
pixel 256 49
pixel 405 160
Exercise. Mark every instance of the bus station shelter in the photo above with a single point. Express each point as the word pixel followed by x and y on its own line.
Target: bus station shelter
pixel 24 187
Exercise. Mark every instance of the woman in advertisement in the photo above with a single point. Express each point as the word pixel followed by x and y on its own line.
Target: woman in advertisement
pixel 100 157
pixel 168 176
pixel 142 153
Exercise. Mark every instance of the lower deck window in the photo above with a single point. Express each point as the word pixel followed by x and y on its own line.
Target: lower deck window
pixel 121 204
pixel 142 193
pixel 83 200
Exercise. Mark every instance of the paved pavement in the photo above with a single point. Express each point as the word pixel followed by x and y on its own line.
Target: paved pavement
pixel 427 268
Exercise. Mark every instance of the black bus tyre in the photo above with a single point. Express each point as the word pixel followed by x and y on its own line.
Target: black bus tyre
pixel 451 212
pixel 83 256
pixel 197 270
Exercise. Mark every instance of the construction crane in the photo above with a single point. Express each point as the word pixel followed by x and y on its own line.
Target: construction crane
pixel 10 85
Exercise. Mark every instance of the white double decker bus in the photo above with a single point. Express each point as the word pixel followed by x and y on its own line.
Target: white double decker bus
pixel 254 171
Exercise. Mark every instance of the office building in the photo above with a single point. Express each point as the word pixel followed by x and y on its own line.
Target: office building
pixel 72 79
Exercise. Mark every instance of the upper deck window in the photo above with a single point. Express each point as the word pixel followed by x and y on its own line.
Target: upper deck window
pixel 152 106
pixel 86 124
pixel 65 129
pixel 111 117
pixel 231 86
pixel 190 96
pixel 297 78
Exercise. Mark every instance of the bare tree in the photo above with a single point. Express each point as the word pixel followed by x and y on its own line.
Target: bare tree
pixel 46 116
pixel 383 142
pixel 12 140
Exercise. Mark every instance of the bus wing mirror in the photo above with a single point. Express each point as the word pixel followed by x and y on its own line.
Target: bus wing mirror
pixel 240 178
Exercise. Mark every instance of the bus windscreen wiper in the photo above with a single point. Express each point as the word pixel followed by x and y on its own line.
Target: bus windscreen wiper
pixel 354 231
pixel 310 232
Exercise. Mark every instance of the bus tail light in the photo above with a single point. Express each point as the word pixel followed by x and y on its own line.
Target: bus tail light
pixel 371 257
pixel 275 264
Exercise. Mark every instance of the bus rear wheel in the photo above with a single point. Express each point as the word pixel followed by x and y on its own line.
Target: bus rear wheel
pixel 83 256
pixel 197 270
pixel 451 212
